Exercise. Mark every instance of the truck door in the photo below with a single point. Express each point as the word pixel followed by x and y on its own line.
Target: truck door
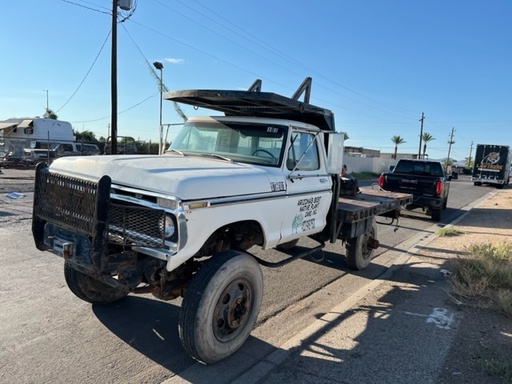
pixel 309 187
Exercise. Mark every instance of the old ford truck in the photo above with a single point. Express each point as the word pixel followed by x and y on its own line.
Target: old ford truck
pixel 264 174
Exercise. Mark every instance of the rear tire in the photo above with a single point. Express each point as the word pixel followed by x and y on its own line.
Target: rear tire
pixel 89 289
pixel 359 255
pixel 221 306
pixel 436 214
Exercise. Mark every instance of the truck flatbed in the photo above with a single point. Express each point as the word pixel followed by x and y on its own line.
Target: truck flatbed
pixel 370 202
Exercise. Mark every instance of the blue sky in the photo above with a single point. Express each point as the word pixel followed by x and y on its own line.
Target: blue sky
pixel 377 64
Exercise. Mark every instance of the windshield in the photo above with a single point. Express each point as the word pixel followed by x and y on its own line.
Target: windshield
pixel 241 142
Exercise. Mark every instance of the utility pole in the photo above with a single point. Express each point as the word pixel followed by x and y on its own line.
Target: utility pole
pixel 469 157
pixel 47 102
pixel 421 133
pixel 113 81
pixel 450 142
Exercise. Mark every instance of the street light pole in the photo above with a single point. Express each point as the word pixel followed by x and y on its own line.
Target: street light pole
pixel 158 65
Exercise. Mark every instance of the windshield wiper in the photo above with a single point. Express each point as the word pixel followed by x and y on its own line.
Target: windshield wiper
pixel 175 150
pixel 216 156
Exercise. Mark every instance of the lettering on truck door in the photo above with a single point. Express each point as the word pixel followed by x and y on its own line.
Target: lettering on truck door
pixel 308 187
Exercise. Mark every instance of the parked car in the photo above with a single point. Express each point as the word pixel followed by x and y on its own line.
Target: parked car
pixel 76 149
pixel 34 155
pixel 425 179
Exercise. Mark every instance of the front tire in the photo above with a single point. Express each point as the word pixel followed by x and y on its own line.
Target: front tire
pixel 89 289
pixel 221 306
pixel 359 255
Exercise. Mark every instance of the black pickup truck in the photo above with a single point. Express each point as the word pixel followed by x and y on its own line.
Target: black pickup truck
pixel 425 179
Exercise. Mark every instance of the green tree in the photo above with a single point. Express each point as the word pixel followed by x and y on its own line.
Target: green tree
pixel 426 137
pixel 345 136
pixel 397 140
pixel 86 136
pixel 50 114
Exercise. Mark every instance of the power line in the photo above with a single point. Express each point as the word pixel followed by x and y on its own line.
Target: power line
pixel 279 53
pixel 89 71
pixel 153 72
pixel 96 5
pixel 329 102
pixel 123 111
pixel 86 7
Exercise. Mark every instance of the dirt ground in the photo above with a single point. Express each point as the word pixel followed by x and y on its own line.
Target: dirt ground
pixel 16 180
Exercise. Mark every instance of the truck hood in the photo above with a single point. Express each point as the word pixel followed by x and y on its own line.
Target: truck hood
pixel 186 177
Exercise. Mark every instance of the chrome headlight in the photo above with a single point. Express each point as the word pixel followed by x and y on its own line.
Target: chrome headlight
pixel 168 226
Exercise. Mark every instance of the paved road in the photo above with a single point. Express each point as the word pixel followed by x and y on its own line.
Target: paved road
pixel 48 335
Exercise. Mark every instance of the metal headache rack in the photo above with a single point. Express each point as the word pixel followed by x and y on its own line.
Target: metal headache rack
pixel 255 103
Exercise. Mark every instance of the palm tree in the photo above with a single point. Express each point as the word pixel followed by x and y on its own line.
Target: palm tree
pixel 397 140
pixel 426 137
pixel 345 136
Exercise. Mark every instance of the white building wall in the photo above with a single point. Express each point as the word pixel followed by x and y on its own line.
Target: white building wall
pixel 368 164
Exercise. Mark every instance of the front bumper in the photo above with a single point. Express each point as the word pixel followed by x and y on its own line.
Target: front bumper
pixel 76 219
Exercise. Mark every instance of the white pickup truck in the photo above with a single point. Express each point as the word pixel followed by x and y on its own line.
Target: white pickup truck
pixel 265 174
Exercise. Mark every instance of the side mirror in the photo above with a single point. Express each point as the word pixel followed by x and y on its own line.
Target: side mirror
pixel 335 153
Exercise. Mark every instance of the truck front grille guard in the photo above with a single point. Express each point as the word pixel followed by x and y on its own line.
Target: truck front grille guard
pixel 139 226
pixel 85 207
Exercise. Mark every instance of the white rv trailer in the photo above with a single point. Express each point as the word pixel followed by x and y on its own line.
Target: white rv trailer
pixel 18 134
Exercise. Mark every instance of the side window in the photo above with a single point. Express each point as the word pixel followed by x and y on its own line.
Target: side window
pixel 303 153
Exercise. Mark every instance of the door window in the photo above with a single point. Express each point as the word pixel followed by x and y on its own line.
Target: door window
pixel 303 153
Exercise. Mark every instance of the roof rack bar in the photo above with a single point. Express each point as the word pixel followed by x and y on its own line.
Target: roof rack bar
pixel 256 103
pixel 305 88
pixel 255 87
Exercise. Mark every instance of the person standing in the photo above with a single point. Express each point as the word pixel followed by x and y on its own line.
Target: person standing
pixel 344 170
